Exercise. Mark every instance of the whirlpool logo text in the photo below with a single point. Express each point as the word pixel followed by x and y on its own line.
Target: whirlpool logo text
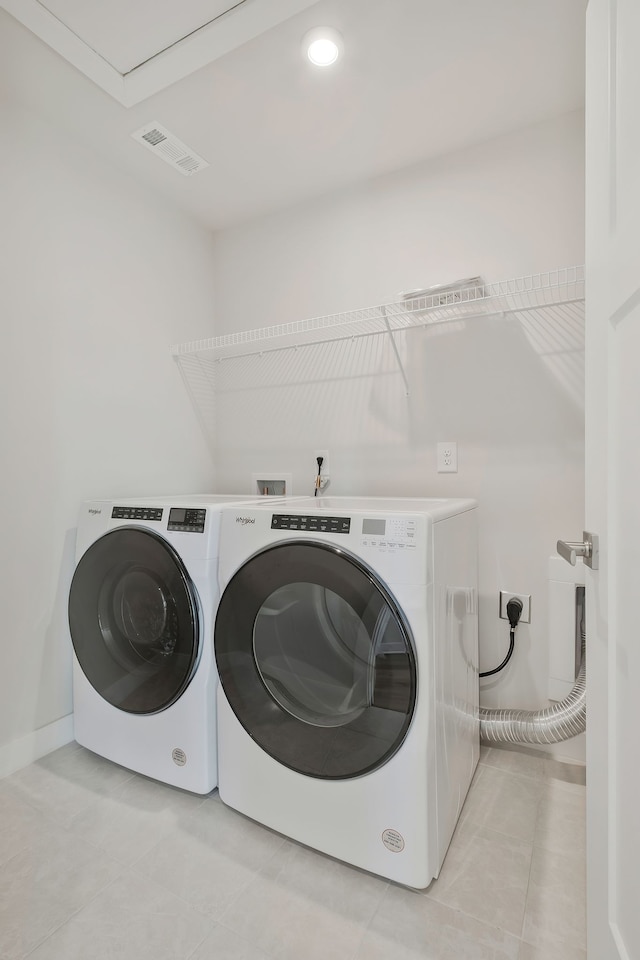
pixel 245 520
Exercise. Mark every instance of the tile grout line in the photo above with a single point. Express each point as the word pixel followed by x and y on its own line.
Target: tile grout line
pixel 72 916
pixel 385 894
pixel 526 896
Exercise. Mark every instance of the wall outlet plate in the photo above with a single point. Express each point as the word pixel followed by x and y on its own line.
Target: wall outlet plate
pixel 325 470
pixel 525 600
pixel 447 456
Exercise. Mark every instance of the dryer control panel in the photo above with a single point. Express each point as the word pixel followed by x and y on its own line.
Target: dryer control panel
pixel 136 513
pixel 186 521
pixel 310 524
pixel 389 533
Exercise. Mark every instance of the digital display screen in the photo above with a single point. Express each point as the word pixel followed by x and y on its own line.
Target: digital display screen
pixel 374 527
pixel 186 520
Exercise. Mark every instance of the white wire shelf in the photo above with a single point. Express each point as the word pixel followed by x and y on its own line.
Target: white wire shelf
pixel 376 341
pixel 541 291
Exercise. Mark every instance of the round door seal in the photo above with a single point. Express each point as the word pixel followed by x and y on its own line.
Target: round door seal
pixel 393 841
pixel 179 757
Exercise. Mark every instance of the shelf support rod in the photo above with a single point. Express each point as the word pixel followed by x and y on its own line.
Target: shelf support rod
pixel 395 350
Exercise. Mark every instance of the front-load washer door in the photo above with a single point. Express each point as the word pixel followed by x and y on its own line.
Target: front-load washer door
pixel 133 614
pixel 316 659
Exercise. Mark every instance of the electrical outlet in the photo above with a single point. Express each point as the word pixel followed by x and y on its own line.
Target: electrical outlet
pixel 447 456
pixel 525 600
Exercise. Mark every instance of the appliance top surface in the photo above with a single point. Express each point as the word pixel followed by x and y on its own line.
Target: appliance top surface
pixel 432 507
pixel 186 500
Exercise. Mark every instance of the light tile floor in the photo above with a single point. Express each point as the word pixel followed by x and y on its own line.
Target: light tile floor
pixel 97 862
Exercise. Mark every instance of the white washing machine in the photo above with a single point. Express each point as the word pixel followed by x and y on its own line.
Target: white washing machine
pixel 142 605
pixel 347 648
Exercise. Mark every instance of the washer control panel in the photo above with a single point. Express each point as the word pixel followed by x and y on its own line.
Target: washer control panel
pixel 310 524
pixel 136 513
pixel 187 521
pixel 389 533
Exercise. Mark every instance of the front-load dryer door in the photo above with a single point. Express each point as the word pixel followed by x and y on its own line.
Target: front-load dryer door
pixel 133 614
pixel 316 659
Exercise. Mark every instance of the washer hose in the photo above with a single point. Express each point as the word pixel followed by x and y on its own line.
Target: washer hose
pixel 561 721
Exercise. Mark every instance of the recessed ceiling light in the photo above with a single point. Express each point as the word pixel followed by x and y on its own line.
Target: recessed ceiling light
pixel 322 45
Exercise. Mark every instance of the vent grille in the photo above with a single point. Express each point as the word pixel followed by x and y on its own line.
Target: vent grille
pixel 446 294
pixel 165 145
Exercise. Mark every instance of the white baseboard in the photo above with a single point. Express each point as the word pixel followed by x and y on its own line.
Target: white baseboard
pixel 20 753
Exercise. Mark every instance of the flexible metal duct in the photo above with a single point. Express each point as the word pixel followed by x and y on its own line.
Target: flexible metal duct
pixel 561 721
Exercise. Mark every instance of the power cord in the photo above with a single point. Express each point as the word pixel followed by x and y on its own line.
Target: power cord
pixel 514 612
pixel 319 461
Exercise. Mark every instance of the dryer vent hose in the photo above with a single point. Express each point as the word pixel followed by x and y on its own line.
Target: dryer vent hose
pixel 563 720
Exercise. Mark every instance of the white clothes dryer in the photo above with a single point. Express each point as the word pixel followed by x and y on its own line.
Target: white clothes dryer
pixel 347 648
pixel 142 605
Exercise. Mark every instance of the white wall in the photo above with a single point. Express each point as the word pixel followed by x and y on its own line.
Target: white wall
pixel 508 390
pixel 97 280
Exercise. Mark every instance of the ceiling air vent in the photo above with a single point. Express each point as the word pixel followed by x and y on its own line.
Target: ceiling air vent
pixel 173 151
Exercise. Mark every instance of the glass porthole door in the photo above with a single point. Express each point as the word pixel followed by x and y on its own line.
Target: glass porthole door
pixel 316 660
pixel 133 615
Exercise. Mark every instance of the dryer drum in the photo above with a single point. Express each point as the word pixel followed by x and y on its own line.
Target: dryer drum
pixel 316 660
pixel 133 616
